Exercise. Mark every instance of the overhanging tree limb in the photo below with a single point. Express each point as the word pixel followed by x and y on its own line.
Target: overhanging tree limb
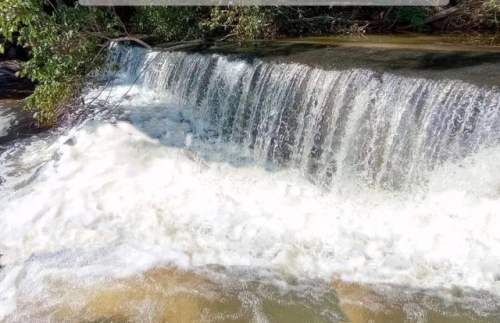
pixel 127 38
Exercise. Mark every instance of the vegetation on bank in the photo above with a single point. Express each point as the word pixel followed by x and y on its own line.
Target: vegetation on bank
pixel 63 43
pixel 248 23
pixel 67 42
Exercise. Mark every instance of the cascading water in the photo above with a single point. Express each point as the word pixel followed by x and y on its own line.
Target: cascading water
pixel 383 128
pixel 202 187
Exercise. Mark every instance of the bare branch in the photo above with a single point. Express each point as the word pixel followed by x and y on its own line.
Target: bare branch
pixel 220 40
pixel 441 14
pixel 127 38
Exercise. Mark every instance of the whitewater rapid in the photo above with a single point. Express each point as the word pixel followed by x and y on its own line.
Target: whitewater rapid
pixel 143 184
pixel 6 120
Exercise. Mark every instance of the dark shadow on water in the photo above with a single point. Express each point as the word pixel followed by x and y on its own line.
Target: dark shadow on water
pixel 12 87
pixel 475 67
pixel 446 61
pixel 262 50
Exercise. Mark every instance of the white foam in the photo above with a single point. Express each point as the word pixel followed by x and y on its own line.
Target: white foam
pixel 121 190
pixel 117 185
pixel 5 122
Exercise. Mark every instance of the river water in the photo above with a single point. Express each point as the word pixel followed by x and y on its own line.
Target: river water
pixel 204 187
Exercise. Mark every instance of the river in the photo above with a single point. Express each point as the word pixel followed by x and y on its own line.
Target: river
pixel 291 184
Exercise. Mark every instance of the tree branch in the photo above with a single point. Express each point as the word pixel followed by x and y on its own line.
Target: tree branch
pixel 220 40
pixel 329 19
pixel 441 14
pixel 127 38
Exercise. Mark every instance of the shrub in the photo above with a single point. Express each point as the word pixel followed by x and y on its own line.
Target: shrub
pixel 169 23
pixel 412 16
pixel 64 44
pixel 247 23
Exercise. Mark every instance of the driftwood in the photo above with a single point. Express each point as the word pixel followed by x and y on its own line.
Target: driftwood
pixel 193 43
pixel 182 44
pixel 187 45
pixel 317 18
pixel 220 40
pixel 442 14
pixel 332 20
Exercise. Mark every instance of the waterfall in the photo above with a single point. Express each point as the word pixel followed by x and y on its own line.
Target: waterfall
pixel 385 130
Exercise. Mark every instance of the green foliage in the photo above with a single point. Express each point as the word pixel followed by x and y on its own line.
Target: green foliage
pixel 247 23
pixel 412 16
pixel 187 23
pixel 169 23
pixel 63 41
pixel 253 23
pixel 221 20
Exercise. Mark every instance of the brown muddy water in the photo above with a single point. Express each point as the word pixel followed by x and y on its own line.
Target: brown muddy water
pixel 217 295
